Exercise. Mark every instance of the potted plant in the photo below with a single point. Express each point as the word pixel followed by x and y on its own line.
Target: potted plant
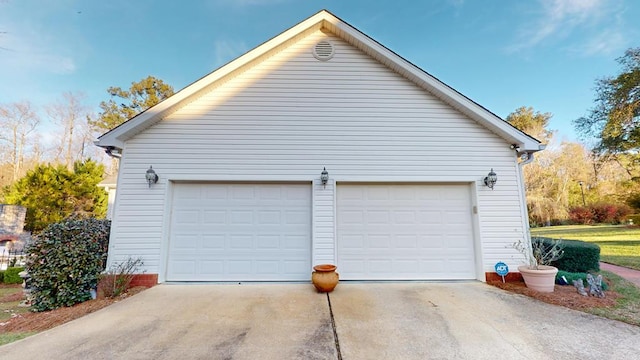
pixel 539 274
pixel 325 278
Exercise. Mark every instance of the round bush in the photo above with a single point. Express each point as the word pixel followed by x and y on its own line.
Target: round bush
pixel 65 262
pixel 11 275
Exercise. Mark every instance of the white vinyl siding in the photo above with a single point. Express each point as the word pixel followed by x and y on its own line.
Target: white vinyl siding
pixel 290 115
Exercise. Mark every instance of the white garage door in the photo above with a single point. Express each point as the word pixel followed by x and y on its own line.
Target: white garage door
pixel 408 231
pixel 240 232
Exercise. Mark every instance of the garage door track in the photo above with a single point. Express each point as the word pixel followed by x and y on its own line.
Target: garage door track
pixel 467 320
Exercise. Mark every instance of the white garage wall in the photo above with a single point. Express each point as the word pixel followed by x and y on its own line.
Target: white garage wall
pixel 291 115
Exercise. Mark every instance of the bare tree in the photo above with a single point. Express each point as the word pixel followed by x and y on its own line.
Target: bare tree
pixel 18 122
pixel 69 115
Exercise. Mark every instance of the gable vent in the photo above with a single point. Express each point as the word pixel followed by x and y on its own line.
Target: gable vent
pixel 323 51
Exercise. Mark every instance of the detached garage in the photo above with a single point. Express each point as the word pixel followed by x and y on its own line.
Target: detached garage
pixel 319 146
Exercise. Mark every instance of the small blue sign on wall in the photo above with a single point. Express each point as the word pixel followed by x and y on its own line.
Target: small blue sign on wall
pixel 502 269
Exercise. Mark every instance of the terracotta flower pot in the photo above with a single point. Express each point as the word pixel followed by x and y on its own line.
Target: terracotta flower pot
pixel 543 279
pixel 325 277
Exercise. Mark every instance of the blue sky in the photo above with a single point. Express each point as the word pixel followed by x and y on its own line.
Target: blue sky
pixel 502 54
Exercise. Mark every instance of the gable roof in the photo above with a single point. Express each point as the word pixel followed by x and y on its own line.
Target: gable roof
pixel 115 138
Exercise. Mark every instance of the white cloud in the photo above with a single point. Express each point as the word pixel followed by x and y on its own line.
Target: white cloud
pixel 608 42
pixel 596 22
pixel 225 51
pixel 29 51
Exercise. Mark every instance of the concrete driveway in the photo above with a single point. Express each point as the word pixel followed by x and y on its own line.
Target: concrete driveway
pixel 372 321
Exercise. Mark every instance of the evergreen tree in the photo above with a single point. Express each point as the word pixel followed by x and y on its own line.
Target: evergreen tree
pixel 52 193
pixel 125 104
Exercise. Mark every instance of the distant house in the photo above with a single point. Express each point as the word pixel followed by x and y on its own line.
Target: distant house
pixel 240 154
pixel 12 235
pixel 109 185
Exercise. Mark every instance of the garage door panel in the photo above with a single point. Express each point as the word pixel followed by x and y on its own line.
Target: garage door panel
pixel 267 267
pixel 213 242
pixel 241 217
pixel 215 216
pixel 215 193
pixel 297 267
pixel 296 217
pixel 239 267
pixel 295 243
pixel 404 231
pixel 187 241
pixel 241 242
pixel 186 217
pixel 380 241
pixel 268 242
pixel 407 242
pixel 182 267
pixel 247 234
pixel 269 217
pixel 210 267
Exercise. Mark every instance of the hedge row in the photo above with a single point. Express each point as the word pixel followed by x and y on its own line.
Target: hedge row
pixel 600 213
pixel 10 276
pixel 579 256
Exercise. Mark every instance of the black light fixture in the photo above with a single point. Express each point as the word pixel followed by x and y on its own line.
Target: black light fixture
pixel 324 177
pixel 151 176
pixel 491 179
pixel 581 183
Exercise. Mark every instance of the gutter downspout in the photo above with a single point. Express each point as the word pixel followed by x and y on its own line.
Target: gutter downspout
pixel 110 151
pixel 523 196
pixel 528 160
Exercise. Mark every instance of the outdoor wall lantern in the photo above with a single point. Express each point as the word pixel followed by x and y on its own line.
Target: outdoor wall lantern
pixel 491 179
pixel 151 176
pixel 324 177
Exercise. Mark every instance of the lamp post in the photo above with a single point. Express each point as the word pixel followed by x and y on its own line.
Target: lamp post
pixel 584 203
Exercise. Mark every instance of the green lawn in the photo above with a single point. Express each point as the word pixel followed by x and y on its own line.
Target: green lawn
pixel 619 244
pixel 14 336
pixel 9 308
pixel 627 306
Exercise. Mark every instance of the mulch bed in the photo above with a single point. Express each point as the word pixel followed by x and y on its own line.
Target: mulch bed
pixel 39 321
pixel 13 297
pixel 566 296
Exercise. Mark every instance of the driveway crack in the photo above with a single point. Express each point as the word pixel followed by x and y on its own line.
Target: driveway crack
pixel 333 326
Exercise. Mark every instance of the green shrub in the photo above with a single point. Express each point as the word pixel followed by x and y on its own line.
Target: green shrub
pixel 579 256
pixel 11 275
pixel 581 215
pixel 1 276
pixel 599 213
pixel 117 279
pixel 65 262
pixel 571 276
